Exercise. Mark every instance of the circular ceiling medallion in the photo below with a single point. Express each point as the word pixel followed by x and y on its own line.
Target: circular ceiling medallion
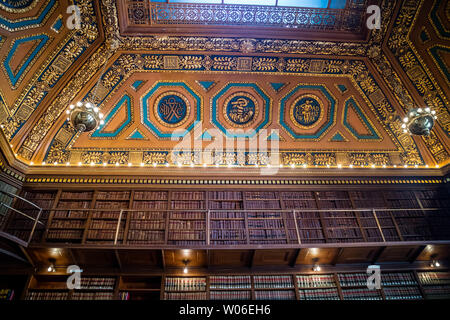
pixel 306 111
pixel 172 109
pixel 240 109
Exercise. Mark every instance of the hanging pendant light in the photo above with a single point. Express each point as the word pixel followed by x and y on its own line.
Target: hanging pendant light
pixel 419 121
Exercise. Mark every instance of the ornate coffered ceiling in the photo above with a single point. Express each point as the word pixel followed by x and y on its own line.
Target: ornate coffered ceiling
pixel 322 103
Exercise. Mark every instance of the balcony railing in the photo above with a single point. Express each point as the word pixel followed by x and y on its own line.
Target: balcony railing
pixel 155 14
pixel 244 228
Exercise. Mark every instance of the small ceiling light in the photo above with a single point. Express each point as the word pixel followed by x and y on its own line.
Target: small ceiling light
pixel 373 166
pixel 305 165
pixel 31 163
pixel 426 166
pixel 67 163
pixel 79 163
pixel 142 164
pixel 179 164
pixel 105 164
pixel 130 164
pixel 217 165
pixel 186 262
pixel 55 163
pixel 328 165
pixel 339 166
pixel 92 163
pixel 434 263
pixel 384 166
pixel 416 166
pixel 405 166
pixel 43 163
pixel 281 165
pixel 192 164
pixel 437 166
pixel 154 164
pixel 395 166
pixel 292 165
pixel 316 267
pixel 269 165
pixel 350 166
pixel 117 164
pixel 204 165
pixel 167 164
pixel 256 165
pixel 51 267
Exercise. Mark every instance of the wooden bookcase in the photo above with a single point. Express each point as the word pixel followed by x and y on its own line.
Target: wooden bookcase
pixel 395 285
pixel 237 217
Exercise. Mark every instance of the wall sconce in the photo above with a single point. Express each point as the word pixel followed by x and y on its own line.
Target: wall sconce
pixel 51 267
pixel 434 263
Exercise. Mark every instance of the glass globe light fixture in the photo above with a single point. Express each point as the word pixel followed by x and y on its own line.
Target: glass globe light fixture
pixel 84 116
pixel 419 121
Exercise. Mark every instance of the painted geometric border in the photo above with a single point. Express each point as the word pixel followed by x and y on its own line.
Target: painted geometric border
pixel 367 123
pixel 125 124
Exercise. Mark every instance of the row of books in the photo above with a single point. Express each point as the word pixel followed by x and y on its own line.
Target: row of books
pixel 315 281
pixel 39 195
pixel 74 204
pixel 309 223
pixel 111 205
pixel 187 235
pixel 225 195
pixel 286 195
pixel 227 215
pixel 106 215
pixel 188 195
pixel 335 204
pixel 402 203
pixel 261 195
pixel 70 224
pixel 273 282
pixel 92 296
pixel 266 234
pixel 104 234
pixel 71 214
pixel 185 284
pixel 361 294
pixel 228 235
pixel 333 195
pixel 64 234
pixel 47 295
pixel 402 293
pixel 227 224
pixel 113 195
pixel 149 205
pixel 230 282
pixel 300 204
pixel 275 295
pixel 187 215
pixel 190 205
pixel 150 195
pixel 187 224
pixel 319 294
pixel 230 295
pixel 105 224
pixel 261 215
pixel 76 195
pixel 438 292
pixel 185 296
pixel 270 224
pixel 148 236
pixel 225 205
pixel 434 277
pixel 147 225
pixel 142 215
pixel 348 233
pixel 262 204
pixel 98 283
pixel 352 279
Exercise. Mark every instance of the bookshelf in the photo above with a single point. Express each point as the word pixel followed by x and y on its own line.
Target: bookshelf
pixel 317 287
pixel 274 287
pixel 435 285
pixel 236 217
pixel 354 287
pixel 185 288
pixel 400 286
pixel 54 287
pixel 230 287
